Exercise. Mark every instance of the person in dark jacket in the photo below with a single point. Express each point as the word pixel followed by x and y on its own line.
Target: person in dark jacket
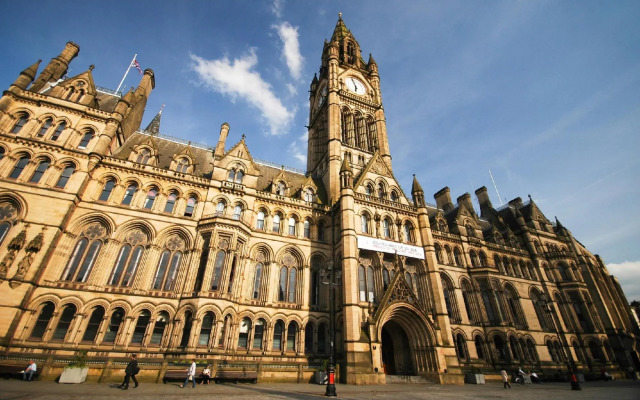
pixel 130 372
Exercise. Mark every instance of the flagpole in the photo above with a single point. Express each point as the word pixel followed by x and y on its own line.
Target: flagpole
pixel 494 185
pixel 126 73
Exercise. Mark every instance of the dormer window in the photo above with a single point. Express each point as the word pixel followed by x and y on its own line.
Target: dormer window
pixel 182 165
pixel 281 188
pixel 143 156
pixel 309 195
pixel 235 175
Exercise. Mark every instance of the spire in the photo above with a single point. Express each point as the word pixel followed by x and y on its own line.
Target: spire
pixel 340 31
pixel 346 175
pixel 27 76
pixel 154 126
pixel 345 166
pixel 417 193
pixel 415 187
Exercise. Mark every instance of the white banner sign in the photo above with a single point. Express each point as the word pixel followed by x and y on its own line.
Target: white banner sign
pixel 385 246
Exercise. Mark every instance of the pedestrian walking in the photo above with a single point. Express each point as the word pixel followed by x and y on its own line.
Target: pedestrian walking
pixel 505 379
pixel 191 375
pixel 130 373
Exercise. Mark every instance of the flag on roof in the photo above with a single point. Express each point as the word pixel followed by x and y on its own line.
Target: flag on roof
pixel 135 64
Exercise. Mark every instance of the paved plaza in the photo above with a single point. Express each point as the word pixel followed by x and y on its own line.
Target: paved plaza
pixel 618 390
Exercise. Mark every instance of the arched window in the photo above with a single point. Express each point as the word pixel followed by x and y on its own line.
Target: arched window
pixel 292 335
pixel 308 338
pixel 171 203
pixel 114 325
pixel 513 303
pixel 258 334
pixel 471 231
pixel 166 277
pixel 182 165
pixel 366 284
pixel 82 259
pixel 217 270
pixel 460 347
pixel 562 270
pixel 479 347
pixel 309 195
pixel 368 189
pixel 44 128
pixel 307 229
pixel 245 330
pixel 292 226
pixel 287 287
pixel 448 292
pixel 260 220
pixel 220 207
pixel 364 223
pixel 129 193
pixel 40 327
pixel 232 175
pixel 239 176
pixel 143 156
pixel 232 273
pixel 2 150
pixel 68 313
pixel 158 328
pixel 385 278
pixel 86 138
pixel 276 223
pixel 513 343
pixel 40 170
pixel 22 120
pixel 322 338
pixel 141 327
pixel 408 233
pixel 257 280
pixel 93 326
pixel 107 189
pixel 186 329
pixel 237 212
pixel 151 198
pixel 191 205
pixel 278 330
pixel 321 231
pixel 226 326
pixel 314 288
pixel 474 259
pixel 122 276
pixel 281 189
pixel 386 228
pixel 205 329
pixel 457 257
pixel 19 167
pixel 56 134
pixel 381 194
pixel 483 260
pixel 498 262
pixel 469 301
pixel 394 196
pixel 438 250
pixel 65 176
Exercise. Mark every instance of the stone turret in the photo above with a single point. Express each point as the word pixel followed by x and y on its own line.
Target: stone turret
pixel 222 139
pixel 443 199
pixel 57 67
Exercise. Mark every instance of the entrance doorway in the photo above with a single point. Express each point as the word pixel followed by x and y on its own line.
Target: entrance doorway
pixel 396 352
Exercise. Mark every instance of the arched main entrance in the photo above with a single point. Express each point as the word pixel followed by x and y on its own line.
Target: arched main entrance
pixel 407 343
pixel 396 352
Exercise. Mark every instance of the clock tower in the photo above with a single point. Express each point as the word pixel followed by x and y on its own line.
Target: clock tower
pixel 346 117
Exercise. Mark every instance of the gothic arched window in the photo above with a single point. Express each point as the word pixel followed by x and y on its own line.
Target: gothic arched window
pixel 260 220
pixel 126 265
pixel 167 270
pixel 114 325
pixel 217 270
pixel 171 202
pixel 292 335
pixel 151 198
pixel 40 327
pixel 276 223
pixel 107 189
pixel 307 229
pixel 143 156
pixel 278 331
pixel 56 134
pixel 68 313
pixel 257 281
pixel 22 120
pixel 258 334
pixel 93 326
pixel 292 226
pixel 128 194
pixel 158 328
pixel 204 337
pixel 19 167
pixel 83 257
pixel 182 165
pixel 44 127
pixel 141 327
pixel 40 170
pixel 191 205
pixel 86 138
pixel 245 331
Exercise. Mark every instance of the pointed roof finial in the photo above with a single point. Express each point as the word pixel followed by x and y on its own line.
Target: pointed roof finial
pixel 92 67
pixel 340 15
pixel 558 224
pixel 345 165
pixel 243 137
pixel 415 187
pixel 154 126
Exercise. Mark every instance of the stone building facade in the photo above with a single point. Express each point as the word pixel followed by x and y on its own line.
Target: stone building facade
pixel 118 240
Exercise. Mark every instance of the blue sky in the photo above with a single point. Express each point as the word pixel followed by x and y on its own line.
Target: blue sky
pixel 546 94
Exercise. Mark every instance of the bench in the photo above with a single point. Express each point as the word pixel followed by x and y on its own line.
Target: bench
pixel 236 376
pixel 175 375
pixel 8 371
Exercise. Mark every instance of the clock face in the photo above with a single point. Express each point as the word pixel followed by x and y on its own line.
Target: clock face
pixel 355 85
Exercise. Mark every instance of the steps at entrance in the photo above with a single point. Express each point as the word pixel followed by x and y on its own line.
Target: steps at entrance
pixel 406 379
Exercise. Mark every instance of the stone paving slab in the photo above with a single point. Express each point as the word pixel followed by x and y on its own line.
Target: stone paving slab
pixel 18 390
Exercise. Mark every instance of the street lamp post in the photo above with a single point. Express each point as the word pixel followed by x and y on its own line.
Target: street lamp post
pixel 571 365
pixel 331 368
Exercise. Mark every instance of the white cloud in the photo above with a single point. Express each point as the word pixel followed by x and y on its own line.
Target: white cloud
pixel 628 274
pixel 298 149
pixel 276 7
pixel 291 48
pixel 237 79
